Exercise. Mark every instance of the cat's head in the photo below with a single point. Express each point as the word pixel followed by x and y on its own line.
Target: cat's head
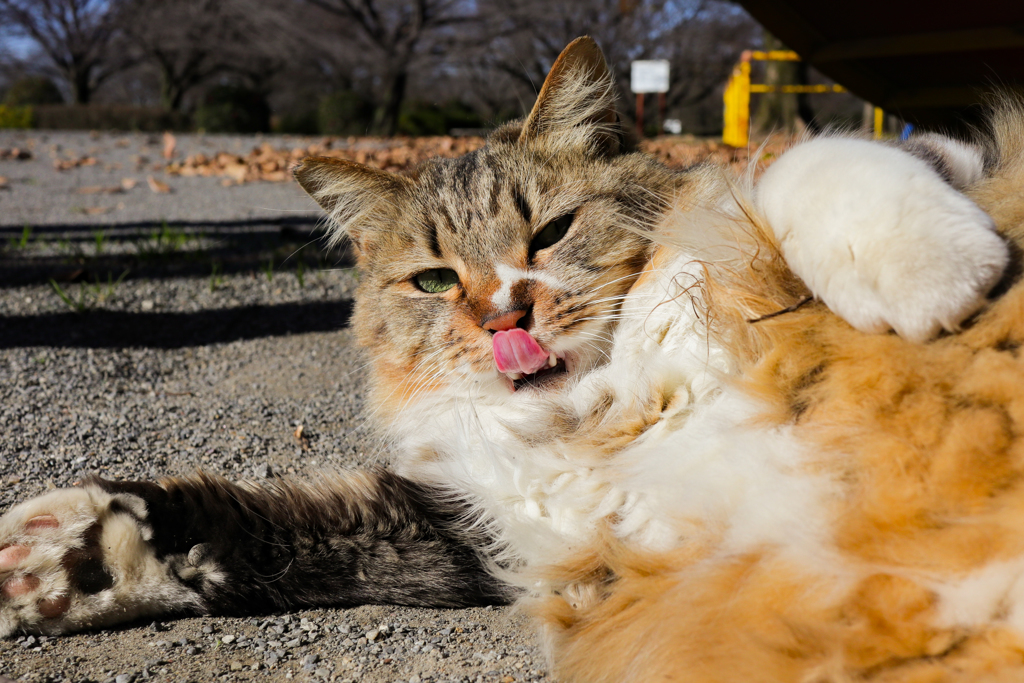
pixel 501 271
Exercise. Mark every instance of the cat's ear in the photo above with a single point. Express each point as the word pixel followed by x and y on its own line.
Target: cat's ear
pixel 357 198
pixel 576 105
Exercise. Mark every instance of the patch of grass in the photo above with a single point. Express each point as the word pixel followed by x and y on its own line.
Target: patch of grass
pixel 76 306
pixel 90 295
pixel 22 242
pixel 300 274
pixel 99 238
pixel 164 241
pixel 268 270
pixel 216 280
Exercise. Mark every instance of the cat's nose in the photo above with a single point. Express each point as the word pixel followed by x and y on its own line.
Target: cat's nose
pixel 504 321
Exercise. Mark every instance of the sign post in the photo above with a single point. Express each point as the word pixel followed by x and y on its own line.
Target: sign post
pixel 648 76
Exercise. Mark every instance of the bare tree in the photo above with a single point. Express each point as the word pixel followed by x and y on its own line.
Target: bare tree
pixel 701 39
pixel 75 36
pixel 188 42
pixel 397 34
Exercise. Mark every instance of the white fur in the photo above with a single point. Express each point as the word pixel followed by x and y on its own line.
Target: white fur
pixel 509 276
pixel 703 469
pixel 142 584
pixel 880 237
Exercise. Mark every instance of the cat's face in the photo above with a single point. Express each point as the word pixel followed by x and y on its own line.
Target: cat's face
pixel 503 270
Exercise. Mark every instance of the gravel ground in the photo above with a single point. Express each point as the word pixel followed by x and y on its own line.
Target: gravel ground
pixel 200 328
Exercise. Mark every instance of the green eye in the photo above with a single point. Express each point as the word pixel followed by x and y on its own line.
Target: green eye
pixel 552 232
pixel 436 280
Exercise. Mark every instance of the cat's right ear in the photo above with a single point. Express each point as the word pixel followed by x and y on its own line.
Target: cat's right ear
pixel 356 197
pixel 576 104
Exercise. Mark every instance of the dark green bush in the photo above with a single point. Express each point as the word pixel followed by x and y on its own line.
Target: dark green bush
pixel 33 90
pixel 108 117
pixel 344 113
pixel 296 123
pixel 233 109
pixel 15 117
pixel 422 118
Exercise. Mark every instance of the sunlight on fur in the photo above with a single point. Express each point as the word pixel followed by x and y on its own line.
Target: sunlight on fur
pixel 703 428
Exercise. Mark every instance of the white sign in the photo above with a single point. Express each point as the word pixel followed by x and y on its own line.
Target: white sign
pixel 648 75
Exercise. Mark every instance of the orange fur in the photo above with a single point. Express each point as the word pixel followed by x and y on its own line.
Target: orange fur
pixel 928 444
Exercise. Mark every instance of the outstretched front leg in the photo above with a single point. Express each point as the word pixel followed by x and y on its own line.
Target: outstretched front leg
pixel 109 552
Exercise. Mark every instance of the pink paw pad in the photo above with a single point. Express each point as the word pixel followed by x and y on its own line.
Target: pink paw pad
pixel 42 522
pixel 19 585
pixel 55 607
pixel 12 556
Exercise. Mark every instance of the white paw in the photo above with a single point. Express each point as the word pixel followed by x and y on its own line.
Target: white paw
pixel 879 237
pixel 79 558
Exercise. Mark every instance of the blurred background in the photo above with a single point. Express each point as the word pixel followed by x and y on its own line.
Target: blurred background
pixel 371 67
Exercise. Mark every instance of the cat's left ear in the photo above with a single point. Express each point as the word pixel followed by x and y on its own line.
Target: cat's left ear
pixel 357 198
pixel 576 105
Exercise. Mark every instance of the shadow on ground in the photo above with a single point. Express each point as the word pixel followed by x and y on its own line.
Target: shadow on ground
pixel 70 253
pixel 116 329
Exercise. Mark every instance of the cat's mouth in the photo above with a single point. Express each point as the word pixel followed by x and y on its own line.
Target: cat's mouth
pixel 543 378
pixel 525 363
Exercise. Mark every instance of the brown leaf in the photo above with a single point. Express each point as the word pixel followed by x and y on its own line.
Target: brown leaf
pixel 170 142
pixel 4 183
pixel 128 183
pixel 158 186
pixel 96 210
pixel 99 189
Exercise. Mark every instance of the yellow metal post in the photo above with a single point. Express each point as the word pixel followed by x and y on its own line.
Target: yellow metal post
pixel 879 121
pixel 736 128
pixel 737 105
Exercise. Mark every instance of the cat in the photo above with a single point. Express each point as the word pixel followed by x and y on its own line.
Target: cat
pixel 661 409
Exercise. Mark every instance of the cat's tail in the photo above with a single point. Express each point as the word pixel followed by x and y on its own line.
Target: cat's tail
pixel 1001 191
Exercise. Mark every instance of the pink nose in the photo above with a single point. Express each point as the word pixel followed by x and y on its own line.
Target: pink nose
pixel 505 321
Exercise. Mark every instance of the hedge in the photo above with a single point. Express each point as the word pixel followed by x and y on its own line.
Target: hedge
pixel 108 117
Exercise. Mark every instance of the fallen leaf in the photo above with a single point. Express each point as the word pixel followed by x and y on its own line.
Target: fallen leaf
pixel 170 142
pixel 99 189
pixel 303 441
pixel 96 210
pixel 15 153
pixel 128 183
pixel 158 186
pixel 4 183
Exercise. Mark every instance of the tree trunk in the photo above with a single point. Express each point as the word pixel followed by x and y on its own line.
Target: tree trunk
pixel 385 120
pixel 81 86
pixel 171 92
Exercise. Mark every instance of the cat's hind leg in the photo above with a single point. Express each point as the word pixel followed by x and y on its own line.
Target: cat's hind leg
pixel 110 552
pixel 81 558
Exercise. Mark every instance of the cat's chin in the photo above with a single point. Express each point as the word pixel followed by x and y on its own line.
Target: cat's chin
pixel 543 380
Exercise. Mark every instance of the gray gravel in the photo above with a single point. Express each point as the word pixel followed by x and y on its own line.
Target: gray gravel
pixel 202 355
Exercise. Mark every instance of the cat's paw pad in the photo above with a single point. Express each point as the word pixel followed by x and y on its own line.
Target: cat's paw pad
pixel 79 558
pixel 879 237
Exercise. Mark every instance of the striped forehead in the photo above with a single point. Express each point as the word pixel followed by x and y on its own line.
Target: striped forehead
pixel 473 206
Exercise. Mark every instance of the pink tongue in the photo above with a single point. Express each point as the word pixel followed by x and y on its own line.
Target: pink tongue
pixel 516 351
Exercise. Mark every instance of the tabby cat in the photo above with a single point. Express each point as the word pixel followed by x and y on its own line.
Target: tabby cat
pixel 660 408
